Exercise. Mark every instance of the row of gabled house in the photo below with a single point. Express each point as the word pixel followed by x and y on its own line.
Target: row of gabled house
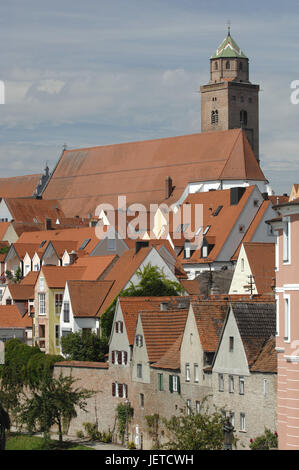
pixel 168 354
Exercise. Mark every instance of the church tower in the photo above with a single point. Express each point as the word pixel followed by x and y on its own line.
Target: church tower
pixel 229 100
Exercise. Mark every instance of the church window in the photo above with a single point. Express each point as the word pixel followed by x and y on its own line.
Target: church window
pixel 214 117
pixel 241 66
pixel 227 65
pixel 216 65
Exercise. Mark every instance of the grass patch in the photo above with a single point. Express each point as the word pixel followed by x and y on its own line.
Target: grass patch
pixel 25 442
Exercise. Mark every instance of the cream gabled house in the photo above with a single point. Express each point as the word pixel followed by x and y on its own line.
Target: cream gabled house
pixel 244 370
pixel 254 272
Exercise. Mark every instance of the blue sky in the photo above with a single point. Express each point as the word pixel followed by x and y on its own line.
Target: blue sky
pixel 102 72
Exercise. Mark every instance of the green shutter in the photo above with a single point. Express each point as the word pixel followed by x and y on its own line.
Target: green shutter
pixel 170 384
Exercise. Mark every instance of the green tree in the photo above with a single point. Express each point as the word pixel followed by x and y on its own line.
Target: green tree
pixel 53 403
pixel 195 431
pixel 24 366
pixel 84 346
pixel 152 282
pixel 268 440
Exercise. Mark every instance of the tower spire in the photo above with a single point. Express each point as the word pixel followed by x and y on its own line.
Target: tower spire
pixel 228 27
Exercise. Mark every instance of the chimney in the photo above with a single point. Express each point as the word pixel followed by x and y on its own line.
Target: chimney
pixel 140 244
pixel 73 256
pixel 163 306
pixel 265 196
pixel 48 224
pixel 168 187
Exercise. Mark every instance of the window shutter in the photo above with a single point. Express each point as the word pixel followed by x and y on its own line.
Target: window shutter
pixel 120 390
pixel 113 357
pixel 179 384
pixel 126 390
pixel 116 327
pixel 121 327
pixel 125 357
pixel 170 383
pixel 113 389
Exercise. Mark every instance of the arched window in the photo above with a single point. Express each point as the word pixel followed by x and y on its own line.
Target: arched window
pixel 214 117
pixel 227 65
pixel 216 66
pixel 243 117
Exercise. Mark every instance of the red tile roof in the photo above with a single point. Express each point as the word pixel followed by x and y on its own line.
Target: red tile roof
pixel 86 177
pixel 221 225
pixel 267 358
pixel 122 271
pixel 3 229
pixel 253 227
pixel 88 296
pixel 31 209
pixel 161 330
pixel 21 291
pixel 30 278
pixel 66 235
pixel 19 186
pixel 83 364
pixel 210 316
pixel 261 258
pixel 132 306
pixel 56 276
pixel 10 317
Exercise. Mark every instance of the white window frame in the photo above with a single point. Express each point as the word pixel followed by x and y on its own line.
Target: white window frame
pixel 174 383
pixel 277 253
pixel 287 318
pixel 196 373
pixel 221 382
pixel 66 302
pixel 41 284
pixel 242 422
pixel 197 406
pixel 42 295
pixel 266 387
pixel 277 314
pixel 188 372
pixel 241 385
pixel 286 236
pixel 58 293
pixel 189 406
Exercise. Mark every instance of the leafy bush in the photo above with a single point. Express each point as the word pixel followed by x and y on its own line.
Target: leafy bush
pixel 268 440
pixel 131 445
pixel 92 431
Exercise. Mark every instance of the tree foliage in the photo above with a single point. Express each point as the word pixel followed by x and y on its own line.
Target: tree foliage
pixel 84 347
pixel 53 404
pixel 152 282
pixel 195 431
pixel 24 366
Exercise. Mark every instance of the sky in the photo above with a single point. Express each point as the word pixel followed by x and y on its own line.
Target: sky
pixel 101 72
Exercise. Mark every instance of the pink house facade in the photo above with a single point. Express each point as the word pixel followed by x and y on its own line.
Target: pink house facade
pixel 287 324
